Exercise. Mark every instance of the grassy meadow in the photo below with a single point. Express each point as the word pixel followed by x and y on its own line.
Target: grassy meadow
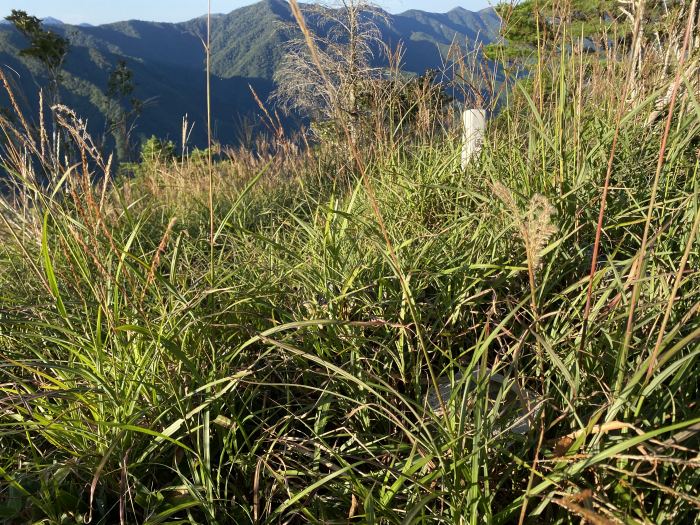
pixel 255 340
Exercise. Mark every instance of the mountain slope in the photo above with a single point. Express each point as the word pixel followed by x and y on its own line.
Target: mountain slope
pixel 247 45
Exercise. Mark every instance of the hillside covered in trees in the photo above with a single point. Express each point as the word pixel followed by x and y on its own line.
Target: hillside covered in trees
pixel 167 62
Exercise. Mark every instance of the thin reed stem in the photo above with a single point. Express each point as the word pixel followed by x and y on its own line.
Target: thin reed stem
pixel 622 104
pixel 210 165
pixel 678 280
pixel 640 267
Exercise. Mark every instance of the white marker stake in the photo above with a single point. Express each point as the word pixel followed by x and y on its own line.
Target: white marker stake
pixel 474 123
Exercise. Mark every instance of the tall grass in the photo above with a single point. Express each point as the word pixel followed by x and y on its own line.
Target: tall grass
pixel 283 377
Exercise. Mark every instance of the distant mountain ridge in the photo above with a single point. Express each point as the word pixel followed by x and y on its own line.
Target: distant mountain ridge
pixel 168 61
pixel 51 21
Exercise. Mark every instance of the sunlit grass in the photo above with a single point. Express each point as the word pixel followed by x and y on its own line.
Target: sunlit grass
pixel 283 378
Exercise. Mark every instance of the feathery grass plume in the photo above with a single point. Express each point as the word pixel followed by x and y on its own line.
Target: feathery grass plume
pixel 538 226
pixel 155 262
pixel 325 67
pixel 534 225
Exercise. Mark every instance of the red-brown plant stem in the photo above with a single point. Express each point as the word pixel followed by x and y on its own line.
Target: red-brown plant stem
pixel 606 186
pixel 659 165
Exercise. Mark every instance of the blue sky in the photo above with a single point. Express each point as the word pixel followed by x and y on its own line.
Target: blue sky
pixel 105 11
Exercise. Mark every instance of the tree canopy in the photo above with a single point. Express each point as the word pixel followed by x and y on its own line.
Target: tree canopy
pixel 49 48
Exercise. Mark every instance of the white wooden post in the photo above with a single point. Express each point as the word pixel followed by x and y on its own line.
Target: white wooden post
pixel 474 124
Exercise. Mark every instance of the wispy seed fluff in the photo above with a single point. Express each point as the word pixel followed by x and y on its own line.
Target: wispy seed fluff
pixel 534 225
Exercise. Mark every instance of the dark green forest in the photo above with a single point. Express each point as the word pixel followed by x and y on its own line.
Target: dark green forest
pixel 167 61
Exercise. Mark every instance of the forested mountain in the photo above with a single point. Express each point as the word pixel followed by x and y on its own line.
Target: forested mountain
pixel 167 61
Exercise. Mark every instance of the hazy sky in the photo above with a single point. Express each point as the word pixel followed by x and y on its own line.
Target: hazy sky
pixel 104 11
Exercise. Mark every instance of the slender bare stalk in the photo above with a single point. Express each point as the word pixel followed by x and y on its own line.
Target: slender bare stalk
pixel 606 185
pixel 209 146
